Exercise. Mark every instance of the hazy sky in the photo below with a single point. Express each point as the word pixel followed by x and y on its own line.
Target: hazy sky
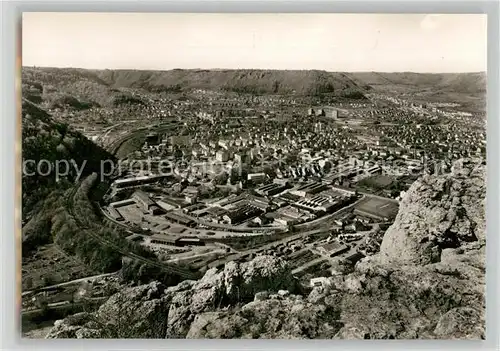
pixel 332 42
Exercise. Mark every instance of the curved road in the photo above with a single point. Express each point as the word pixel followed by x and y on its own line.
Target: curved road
pixel 71 282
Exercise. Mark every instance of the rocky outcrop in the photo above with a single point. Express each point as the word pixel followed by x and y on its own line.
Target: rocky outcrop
pixel 406 302
pixel 438 212
pixel 460 323
pixel 153 311
pixel 69 327
pixel 235 283
pixel 136 312
pixel 430 272
pixel 275 318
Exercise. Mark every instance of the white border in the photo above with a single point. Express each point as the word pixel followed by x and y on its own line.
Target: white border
pixel 11 10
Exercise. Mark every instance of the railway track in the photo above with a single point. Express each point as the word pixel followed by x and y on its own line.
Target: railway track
pixel 88 230
pixel 115 145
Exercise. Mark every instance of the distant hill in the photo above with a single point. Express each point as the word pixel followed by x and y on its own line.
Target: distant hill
pixel 100 86
pixel 70 88
pixel 470 83
pixel 244 81
pixel 80 88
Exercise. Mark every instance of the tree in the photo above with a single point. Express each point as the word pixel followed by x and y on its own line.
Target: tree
pixel 28 282
pixel 47 280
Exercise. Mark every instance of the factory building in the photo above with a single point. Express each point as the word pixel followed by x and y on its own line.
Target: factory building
pixel 122 203
pixel 175 241
pixel 257 177
pixel 113 212
pixel 162 239
pixel 320 203
pixel 242 214
pixel 146 203
pixel 270 189
pixel 178 218
pixel 355 257
pixel 185 241
pixel 308 189
pixel 332 249
pixel 291 215
pixel 378 209
pixel 259 202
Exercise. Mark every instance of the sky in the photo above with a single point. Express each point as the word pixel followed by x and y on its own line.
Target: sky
pixel 332 42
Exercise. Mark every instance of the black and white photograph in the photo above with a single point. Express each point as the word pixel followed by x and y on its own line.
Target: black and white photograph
pixel 253 175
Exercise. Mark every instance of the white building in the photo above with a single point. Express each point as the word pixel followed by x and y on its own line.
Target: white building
pixel 323 282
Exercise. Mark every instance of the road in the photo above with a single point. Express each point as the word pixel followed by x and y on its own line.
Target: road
pixel 202 233
pixel 184 257
pixel 245 253
pixel 71 282
pixel 62 305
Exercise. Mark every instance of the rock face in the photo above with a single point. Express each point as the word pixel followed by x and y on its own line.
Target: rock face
pixel 431 266
pixel 406 302
pixel 135 312
pixel 275 318
pixel 438 212
pixel 151 311
pixel 69 327
pixel 460 322
pixel 235 283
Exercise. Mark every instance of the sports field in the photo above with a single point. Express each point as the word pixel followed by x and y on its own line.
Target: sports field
pixel 379 207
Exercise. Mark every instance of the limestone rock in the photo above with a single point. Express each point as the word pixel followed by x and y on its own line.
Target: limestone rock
pixel 270 319
pixel 235 283
pixel 212 325
pixel 461 323
pixel 262 295
pixel 437 212
pixel 68 328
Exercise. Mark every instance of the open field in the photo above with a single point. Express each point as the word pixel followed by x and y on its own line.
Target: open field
pixel 378 207
pixel 376 181
pixel 49 265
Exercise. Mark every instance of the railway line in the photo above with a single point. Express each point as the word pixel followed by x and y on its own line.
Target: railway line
pixel 88 230
pixel 115 145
